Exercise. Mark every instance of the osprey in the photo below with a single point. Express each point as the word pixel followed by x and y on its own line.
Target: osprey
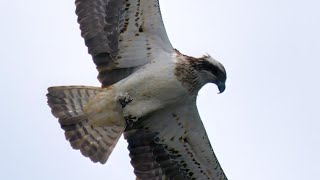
pixel 148 93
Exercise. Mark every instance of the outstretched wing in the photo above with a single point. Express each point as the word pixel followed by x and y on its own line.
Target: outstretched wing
pixel 121 35
pixel 172 144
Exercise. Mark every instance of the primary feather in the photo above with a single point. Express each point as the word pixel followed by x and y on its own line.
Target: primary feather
pixel 149 92
pixel 121 35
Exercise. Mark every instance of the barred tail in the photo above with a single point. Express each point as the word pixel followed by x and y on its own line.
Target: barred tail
pixel 95 140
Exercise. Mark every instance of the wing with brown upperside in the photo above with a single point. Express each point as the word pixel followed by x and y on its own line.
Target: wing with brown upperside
pixel 172 144
pixel 121 35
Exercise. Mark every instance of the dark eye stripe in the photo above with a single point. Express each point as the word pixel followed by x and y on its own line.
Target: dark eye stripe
pixel 205 65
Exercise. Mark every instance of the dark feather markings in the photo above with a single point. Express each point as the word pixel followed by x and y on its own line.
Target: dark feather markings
pixel 150 159
pixel 67 103
pixel 115 30
pixel 171 143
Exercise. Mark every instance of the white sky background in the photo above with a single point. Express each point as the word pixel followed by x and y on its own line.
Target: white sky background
pixel 265 126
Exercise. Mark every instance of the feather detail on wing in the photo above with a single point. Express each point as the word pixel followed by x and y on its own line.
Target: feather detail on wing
pixel 92 136
pixel 121 35
pixel 172 144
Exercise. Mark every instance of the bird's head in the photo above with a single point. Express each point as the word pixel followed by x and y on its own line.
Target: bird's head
pixel 211 71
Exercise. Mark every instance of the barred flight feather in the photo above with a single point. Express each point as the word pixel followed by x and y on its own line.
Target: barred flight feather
pixel 171 144
pixel 67 104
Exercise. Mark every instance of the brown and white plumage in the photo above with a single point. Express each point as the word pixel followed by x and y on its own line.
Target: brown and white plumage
pixel 172 144
pixel 94 139
pixel 148 93
pixel 121 35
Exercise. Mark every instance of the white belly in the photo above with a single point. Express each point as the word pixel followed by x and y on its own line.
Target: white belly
pixel 151 88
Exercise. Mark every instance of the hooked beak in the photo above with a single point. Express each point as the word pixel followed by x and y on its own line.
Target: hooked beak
pixel 221 87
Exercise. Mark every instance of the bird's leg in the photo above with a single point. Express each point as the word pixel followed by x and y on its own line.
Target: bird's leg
pixel 124 99
pixel 130 120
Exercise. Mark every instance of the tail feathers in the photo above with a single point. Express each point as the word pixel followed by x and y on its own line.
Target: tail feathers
pixel 94 140
pixel 67 102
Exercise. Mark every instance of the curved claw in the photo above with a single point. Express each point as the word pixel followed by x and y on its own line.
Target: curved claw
pixel 124 99
pixel 130 120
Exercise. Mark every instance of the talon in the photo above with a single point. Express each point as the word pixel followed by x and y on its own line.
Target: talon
pixel 129 123
pixel 130 120
pixel 124 102
pixel 124 99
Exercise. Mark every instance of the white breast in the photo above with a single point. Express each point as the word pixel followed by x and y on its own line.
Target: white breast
pixel 154 86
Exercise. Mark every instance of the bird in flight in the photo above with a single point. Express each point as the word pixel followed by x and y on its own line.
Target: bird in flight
pixel 148 94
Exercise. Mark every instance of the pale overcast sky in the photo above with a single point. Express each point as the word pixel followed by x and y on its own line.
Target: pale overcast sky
pixel 264 127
